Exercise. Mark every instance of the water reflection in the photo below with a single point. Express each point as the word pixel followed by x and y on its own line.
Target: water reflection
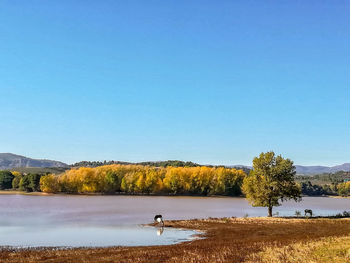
pixel 160 231
pixel 66 220
pixel 86 236
pixel 131 210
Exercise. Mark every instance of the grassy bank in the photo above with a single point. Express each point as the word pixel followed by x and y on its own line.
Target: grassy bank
pixel 227 240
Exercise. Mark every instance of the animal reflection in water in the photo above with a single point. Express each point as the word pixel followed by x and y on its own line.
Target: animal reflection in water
pixel 160 231
pixel 158 219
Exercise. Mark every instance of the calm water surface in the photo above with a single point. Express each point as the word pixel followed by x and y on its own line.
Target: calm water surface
pixel 66 220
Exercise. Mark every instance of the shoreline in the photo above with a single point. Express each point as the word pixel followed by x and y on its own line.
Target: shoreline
pixel 15 192
pixel 196 236
pixel 18 192
pixel 224 240
pixel 338 196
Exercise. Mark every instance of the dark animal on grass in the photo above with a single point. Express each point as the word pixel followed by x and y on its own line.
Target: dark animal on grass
pixel 308 212
pixel 159 219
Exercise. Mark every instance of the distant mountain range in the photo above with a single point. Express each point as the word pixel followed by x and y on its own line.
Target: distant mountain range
pixel 322 169
pixel 310 170
pixel 9 161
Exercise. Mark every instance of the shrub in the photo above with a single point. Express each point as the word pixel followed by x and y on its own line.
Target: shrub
pixel 346 213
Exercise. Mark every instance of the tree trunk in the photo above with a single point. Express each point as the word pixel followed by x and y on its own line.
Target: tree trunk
pixel 270 211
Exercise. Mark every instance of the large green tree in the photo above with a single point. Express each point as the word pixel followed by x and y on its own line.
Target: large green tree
pixel 6 178
pixel 271 181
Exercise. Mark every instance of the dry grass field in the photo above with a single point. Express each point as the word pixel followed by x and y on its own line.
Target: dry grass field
pixel 227 240
pixel 325 250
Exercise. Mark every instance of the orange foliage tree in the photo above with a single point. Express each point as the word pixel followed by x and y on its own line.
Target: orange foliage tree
pixel 138 179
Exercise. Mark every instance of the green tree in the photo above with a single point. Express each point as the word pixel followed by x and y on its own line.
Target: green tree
pixel 6 178
pixel 34 182
pixel 25 183
pixel 16 179
pixel 112 182
pixel 271 181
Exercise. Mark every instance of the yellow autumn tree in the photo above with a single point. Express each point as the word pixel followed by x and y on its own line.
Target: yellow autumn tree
pixel 138 179
pixel 49 183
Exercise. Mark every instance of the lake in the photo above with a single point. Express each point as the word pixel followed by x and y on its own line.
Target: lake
pixel 80 220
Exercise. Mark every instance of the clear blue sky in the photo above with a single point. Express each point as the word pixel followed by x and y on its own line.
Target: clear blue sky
pixel 208 81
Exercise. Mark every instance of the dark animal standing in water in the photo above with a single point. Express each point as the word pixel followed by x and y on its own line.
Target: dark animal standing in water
pixel 308 211
pixel 159 219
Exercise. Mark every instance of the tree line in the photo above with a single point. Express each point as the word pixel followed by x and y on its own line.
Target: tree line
pixel 324 184
pixel 173 163
pixel 113 182
pixel 138 179
pixel 310 189
pixel 344 189
pixel 19 181
pixel 268 184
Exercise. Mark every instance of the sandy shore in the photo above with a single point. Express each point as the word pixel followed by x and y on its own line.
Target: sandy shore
pixel 226 240
pixel 338 196
pixel 13 192
pixel 16 192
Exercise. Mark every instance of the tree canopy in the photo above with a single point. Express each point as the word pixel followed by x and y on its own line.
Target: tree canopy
pixel 138 179
pixel 173 163
pixel 6 178
pixel 271 181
